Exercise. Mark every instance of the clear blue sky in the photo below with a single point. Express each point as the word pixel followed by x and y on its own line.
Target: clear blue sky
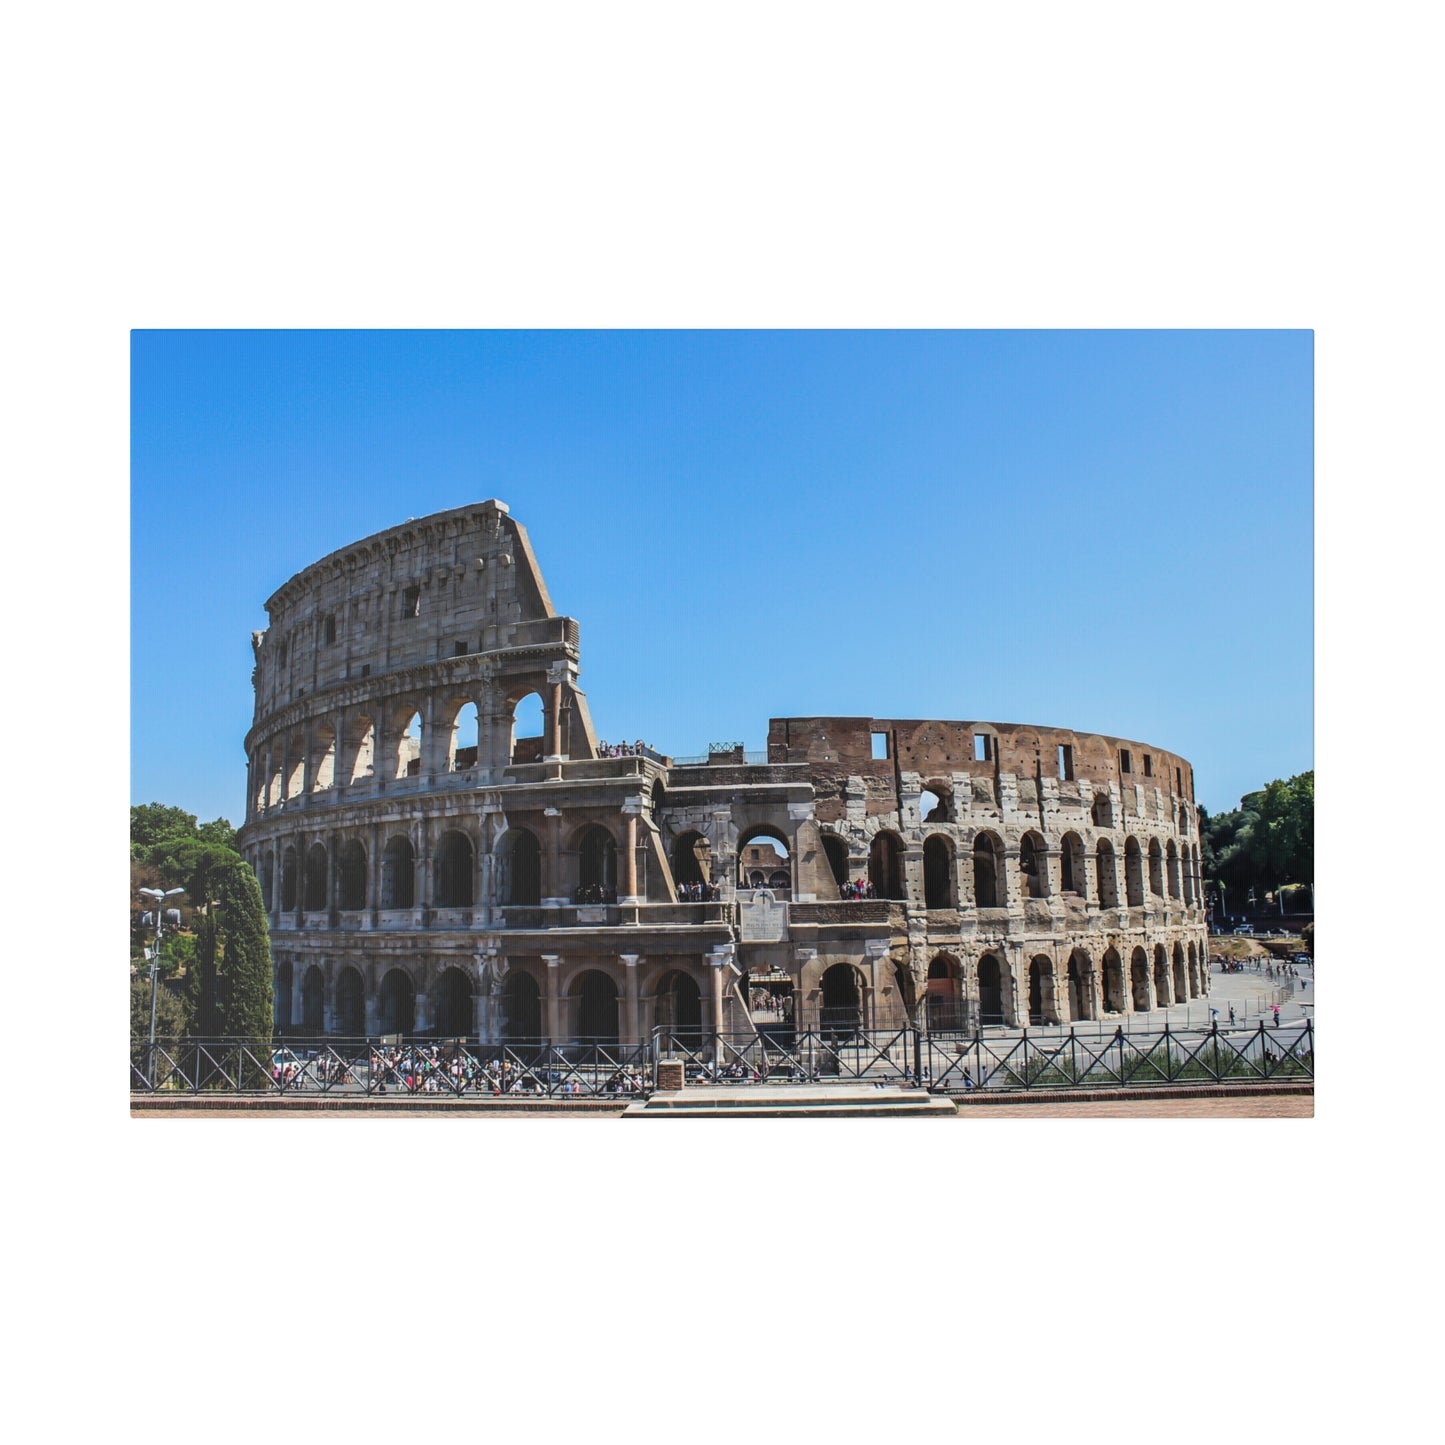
pixel 1110 531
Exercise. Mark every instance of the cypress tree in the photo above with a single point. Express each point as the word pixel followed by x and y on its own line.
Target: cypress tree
pixel 201 989
pixel 246 995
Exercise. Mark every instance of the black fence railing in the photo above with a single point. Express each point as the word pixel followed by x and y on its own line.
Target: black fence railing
pixel 363 1067
pixel 942 1061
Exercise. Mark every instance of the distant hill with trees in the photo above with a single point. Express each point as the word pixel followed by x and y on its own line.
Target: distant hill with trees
pixel 1263 847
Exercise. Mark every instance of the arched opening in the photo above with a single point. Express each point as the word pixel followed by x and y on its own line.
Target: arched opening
pixel 455 869
pixel 1134 873
pixel 528 727
pixel 1113 982
pixel 361 750
pixel 678 1005
pixel 1156 868
pixel 316 879
pixel 691 860
pixel 1187 870
pixel 351 876
pixel 594 997
pixel 1033 864
pixel 1081 992
pixel 987 872
pixel 396 1003
pixel 1172 863
pixel 842 1000
pixel 454 1014
pixel 1071 864
pixel 1139 980
pixel 837 853
pixel 937 871
pixel 462 749
pixel 521 1009
pixel 289 871
pixel 285 982
pixel 268 881
pixel 295 765
pixel 323 758
pixel 936 803
pixel 1108 872
pixel 885 865
pixel 313 1000
pixel 350 1003
pixel 990 990
pixel 398 873
pixel 596 866
pixel 1102 811
pixel 524 870
pixel 762 856
pixel 945 994
pixel 1042 1007
pixel 1162 997
pixel 408 747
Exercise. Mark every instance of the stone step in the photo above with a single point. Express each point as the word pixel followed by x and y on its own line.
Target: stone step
pixel 760 1101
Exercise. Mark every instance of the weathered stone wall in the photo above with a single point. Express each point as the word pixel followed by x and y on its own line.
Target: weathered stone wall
pixel 415 884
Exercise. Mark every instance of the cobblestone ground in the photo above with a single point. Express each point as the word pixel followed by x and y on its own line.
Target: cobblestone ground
pixel 1269 1106
pixel 1259 1106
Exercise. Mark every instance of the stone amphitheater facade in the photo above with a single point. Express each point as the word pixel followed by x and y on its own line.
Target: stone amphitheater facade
pixel 430 871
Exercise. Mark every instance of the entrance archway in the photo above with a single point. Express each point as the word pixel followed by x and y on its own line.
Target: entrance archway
pixel 594 998
pixel 1113 982
pixel 396 1003
pixel 990 990
pixel 1042 1008
pixel 454 1013
pixel 313 995
pixel 1081 992
pixel 842 1000
pixel 521 1009
pixel 1139 980
pixel 678 1011
pixel 350 1004
pixel 945 994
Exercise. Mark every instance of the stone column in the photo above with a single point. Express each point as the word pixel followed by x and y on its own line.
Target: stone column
pixel 632 1021
pixel 630 809
pixel 553 1002
pixel 719 958
pixel 297 974
pixel 557 897
pixel 556 675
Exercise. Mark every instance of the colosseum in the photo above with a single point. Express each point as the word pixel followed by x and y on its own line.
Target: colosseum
pixel 446 850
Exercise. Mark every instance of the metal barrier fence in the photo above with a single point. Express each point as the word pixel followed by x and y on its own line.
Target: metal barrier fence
pixel 362 1067
pixel 942 1062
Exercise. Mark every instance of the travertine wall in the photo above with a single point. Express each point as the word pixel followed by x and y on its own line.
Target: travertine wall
pixel 524 887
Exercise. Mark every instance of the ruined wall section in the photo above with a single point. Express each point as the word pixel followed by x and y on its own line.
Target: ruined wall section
pixel 453 584
pixel 1150 781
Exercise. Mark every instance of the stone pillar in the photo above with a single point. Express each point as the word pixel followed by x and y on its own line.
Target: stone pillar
pixel 632 1023
pixel 552 893
pixel 630 809
pixel 553 752
pixel 553 1002
pixel 719 958
pixel 421 1013
pixel 297 975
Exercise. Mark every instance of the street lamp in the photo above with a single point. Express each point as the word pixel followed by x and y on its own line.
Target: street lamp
pixel 159 898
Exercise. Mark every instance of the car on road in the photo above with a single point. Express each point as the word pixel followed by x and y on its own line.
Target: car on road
pixel 1246 930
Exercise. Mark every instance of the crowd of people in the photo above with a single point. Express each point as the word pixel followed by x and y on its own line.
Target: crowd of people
pixel 639 749
pixel 763 1000
pixel 595 893
pixel 698 893
pixel 857 889
pixel 436 1069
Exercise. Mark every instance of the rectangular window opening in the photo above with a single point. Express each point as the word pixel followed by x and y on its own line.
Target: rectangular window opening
pixel 1066 762
pixel 982 748
pixel 1148 766
pixel 1126 763
pixel 460 650
pixel 880 745
pixel 411 602
pixel 1178 781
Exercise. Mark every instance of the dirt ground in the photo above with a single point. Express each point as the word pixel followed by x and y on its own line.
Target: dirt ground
pixel 1267 1106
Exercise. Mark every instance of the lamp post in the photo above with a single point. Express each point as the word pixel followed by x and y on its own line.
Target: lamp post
pixel 159 899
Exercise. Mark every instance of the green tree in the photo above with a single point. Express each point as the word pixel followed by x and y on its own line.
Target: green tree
pixel 152 823
pixel 245 991
pixel 202 992
pixel 171 1024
